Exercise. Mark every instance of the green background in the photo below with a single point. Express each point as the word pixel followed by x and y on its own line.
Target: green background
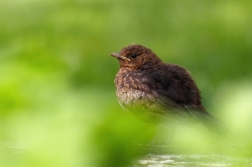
pixel 57 96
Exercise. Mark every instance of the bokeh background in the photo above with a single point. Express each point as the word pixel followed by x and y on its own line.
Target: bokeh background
pixel 57 96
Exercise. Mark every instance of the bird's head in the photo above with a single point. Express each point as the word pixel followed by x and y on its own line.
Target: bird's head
pixel 136 57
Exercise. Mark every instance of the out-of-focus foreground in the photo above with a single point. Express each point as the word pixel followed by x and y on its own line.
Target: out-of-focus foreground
pixel 57 97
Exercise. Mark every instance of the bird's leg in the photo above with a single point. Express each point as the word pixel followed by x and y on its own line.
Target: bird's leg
pixel 153 144
pixel 160 143
pixel 161 136
pixel 155 139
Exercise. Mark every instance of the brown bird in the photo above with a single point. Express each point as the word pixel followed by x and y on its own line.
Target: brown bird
pixel 158 92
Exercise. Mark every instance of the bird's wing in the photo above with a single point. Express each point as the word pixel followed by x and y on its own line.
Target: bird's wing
pixel 177 94
pixel 175 83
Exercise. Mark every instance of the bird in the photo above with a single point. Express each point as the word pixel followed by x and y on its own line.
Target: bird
pixel 159 92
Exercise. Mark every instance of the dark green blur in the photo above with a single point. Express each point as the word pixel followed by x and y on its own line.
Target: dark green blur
pixel 57 96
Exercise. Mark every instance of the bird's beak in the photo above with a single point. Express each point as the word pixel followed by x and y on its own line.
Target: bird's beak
pixel 117 55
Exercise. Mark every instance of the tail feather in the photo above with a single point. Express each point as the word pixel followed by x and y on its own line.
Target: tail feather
pixel 210 122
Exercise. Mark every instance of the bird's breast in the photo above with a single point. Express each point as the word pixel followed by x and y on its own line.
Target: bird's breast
pixel 128 97
pixel 134 92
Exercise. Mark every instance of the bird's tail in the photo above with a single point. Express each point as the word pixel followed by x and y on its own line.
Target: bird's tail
pixel 212 123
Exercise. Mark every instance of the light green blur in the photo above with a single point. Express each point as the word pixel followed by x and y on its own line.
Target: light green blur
pixel 57 96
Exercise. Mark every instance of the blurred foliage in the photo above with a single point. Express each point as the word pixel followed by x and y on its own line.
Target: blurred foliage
pixel 57 98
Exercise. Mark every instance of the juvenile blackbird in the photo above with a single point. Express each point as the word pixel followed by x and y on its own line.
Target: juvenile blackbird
pixel 158 92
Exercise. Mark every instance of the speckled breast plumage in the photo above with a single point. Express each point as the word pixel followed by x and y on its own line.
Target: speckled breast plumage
pixel 134 95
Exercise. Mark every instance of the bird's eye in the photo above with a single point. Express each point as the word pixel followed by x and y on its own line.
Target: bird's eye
pixel 133 55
